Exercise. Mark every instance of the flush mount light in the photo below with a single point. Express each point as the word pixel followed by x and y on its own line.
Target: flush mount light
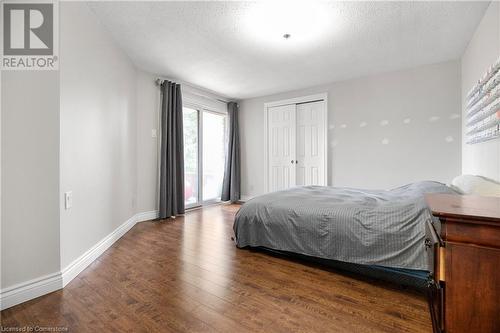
pixel 272 22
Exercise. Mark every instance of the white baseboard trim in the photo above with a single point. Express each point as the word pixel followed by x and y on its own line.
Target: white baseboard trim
pixel 25 291
pixel 28 290
pixel 79 264
pixel 147 216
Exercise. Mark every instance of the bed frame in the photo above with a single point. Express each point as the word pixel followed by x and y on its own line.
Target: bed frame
pixel 415 279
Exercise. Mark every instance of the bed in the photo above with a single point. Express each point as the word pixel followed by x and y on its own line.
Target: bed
pixel 378 233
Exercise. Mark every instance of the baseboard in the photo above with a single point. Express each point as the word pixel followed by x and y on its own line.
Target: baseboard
pixel 25 291
pixel 78 265
pixel 28 290
pixel 146 216
pixel 82 262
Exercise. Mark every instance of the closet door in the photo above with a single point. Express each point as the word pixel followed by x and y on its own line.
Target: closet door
pixel 281 147
pixel 310 160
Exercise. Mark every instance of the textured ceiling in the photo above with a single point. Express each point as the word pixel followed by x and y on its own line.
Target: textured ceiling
pixel 236 48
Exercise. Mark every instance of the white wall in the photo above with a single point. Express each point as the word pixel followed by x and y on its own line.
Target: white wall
pixel 148 106
pixel 98 132
pixel 483 50
pixel 30 175
pixel 357 157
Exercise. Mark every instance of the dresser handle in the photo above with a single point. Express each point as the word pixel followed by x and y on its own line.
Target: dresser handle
pixel 428 243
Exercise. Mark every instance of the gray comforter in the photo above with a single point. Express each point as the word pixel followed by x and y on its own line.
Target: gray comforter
pixel 373 227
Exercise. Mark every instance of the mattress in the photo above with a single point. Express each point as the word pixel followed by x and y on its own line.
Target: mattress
pixel 368 227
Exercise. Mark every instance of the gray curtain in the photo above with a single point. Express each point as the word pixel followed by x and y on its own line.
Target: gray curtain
pixel 171 151
pixel 231 183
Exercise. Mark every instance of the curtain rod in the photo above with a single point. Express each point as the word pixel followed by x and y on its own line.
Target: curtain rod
pixel 159 81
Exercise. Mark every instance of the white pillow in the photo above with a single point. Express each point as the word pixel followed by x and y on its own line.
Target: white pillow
pixel 477 185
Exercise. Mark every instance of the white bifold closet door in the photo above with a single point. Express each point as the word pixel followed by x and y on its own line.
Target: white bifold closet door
pixel 310 143
pixel 296 145
pixel 281 147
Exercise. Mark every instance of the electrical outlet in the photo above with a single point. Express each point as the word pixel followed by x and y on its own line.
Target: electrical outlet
pixel 153 133
pixel 68 200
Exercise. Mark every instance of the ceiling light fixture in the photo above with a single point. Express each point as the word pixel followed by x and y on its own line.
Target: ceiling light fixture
pixel 307 21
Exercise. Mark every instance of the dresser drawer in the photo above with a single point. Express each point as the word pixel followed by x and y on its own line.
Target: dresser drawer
pixel 472 289
pixel 460 231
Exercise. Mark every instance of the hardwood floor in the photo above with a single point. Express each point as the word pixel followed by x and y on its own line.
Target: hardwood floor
pixel 186 275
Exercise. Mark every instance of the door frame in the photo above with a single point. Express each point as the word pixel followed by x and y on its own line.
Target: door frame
pixel 296 100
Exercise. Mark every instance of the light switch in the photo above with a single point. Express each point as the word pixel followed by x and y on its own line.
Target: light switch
pixel 153 133
pixel 68 200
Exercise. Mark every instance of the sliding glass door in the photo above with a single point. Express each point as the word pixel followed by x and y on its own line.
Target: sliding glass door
pixel 204 155
pixel 191 157
pixel 214 129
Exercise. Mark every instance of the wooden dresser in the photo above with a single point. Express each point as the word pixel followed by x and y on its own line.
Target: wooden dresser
pixel 465 282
